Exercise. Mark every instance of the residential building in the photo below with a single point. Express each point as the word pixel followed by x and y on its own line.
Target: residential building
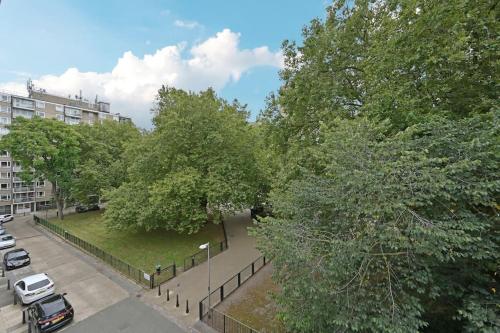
pixel 17 196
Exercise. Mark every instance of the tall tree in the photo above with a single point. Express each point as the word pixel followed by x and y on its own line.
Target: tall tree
pixel 197 163
pixel 386 128
pixel 48 147
pixel 103 164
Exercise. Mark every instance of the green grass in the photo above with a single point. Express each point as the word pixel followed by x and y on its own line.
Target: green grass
pixel 141 249
pixel 257 308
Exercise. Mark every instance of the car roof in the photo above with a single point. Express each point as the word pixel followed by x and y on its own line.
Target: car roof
pixel 3 215
pixel 14 251
pixel 34 278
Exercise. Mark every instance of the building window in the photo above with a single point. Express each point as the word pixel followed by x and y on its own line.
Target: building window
pixel 4 98
pixel 41 194
pixel 72 121
pixel 4 186
pixel 4 197
pixel 4 120
pixel 3 131
pixel 59 108
pixel 24 103
pixel 60 117
pixel 5 164
pixel 4 153
pixel 23 113
pixel 40 105
pixel 40 114
pixel 5 175
pixel 5 109
pixel 72 112
pixel 40 183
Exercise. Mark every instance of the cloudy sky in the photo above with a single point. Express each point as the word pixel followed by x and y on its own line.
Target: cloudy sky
pixel 124 51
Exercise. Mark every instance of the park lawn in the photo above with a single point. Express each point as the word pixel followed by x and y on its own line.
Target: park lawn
pixel 256 306
pixel 141 249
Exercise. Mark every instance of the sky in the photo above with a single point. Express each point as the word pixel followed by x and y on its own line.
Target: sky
pixel 123 51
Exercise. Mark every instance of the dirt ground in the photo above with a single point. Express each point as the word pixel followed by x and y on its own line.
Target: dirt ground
pixel 253 304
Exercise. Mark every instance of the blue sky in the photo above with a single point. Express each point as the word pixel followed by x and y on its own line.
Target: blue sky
pixel 113 47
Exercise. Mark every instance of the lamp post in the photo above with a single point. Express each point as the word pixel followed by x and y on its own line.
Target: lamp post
pixel 203 247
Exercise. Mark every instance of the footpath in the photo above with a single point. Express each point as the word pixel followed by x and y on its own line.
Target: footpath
pixel 192 285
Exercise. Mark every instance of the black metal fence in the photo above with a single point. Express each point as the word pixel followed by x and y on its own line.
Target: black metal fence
pixel 118 264
pixel 166 274
pixel 218 295
pixel 201 256
pixel 223 323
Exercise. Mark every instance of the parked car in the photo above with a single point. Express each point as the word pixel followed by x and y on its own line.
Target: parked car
pixel 51 313
pixel 86 208
pixel 7 241
pixel 6 218
pixel 2 229
pixel 34 287
pixel 16 258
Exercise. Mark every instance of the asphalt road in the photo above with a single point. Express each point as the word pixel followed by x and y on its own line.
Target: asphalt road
pixel 126 316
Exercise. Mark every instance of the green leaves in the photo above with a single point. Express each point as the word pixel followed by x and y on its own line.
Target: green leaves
pixel 197 163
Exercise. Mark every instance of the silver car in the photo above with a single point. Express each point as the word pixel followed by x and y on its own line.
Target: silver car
pixel 7 241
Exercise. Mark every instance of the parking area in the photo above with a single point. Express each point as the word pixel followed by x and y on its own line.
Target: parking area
pixel 89 289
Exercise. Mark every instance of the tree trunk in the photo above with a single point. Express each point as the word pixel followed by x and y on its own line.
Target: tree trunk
pixel 56 192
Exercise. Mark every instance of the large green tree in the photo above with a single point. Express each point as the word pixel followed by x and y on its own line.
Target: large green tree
pixel 103 164
pixel 386 133
pixel 47 147
pixel 196 164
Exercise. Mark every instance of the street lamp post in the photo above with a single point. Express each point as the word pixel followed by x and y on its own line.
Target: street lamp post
pixel 203 247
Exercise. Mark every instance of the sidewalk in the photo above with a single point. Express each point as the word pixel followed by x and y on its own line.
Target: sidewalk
pixel 193 284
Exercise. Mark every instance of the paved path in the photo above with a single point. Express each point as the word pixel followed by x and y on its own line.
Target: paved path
pixel 193 284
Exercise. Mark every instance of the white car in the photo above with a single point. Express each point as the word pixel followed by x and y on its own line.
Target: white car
pixel 34 287
pixel 6 218
pixel 7 241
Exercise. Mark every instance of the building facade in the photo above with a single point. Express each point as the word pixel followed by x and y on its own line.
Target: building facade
pixel 17 196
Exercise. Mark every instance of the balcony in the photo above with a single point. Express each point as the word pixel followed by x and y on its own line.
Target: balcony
pixel 17 168
pixel 21 189
pixel 23 103
pixel 24 199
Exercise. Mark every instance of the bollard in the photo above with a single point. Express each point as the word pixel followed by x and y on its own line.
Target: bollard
pixel 187 307
pixel 29 327
pixel 24 317
pixel 15 299
pixel 3 272
pixel 168 295
pixel 177 301
pixel 159 290
pixel 8 284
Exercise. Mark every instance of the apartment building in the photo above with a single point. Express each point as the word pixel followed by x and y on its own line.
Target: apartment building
pixel 17 196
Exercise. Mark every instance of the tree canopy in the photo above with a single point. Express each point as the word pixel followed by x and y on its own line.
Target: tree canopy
pixel 197 163
pixel 386 135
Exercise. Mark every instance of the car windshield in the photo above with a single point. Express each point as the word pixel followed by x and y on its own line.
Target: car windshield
pixel 38 285
pixel 6 238
pixel 17 255
pixel 52 306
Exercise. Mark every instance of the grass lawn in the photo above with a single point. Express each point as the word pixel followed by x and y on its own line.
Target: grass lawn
pixel 254 305
pixel 142 249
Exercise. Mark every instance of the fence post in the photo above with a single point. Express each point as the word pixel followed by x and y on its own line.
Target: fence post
pixel 8 284
pixel 264 258
pixel 221 293
pixel 192 262
pixel 175 269
pixel 177 301
pixel 253 268
pixel 221 246
pixel 24 317
pixel 168 295
pixel 200 305
pixel 187 306
pixel 224 325
pixel 239 279
pixel 15 299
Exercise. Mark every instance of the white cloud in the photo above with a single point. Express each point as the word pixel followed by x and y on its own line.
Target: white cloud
pixel 187 24
pixel 132 84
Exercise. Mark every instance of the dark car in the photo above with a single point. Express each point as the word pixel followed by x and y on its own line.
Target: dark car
pixel 16 258
pixel 86 208
pixel 50 313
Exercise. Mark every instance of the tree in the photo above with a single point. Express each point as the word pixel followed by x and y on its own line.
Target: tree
pixel 386 132
pixel 103 164
pixel 398 234
pixel 196 164
pixel 48 147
